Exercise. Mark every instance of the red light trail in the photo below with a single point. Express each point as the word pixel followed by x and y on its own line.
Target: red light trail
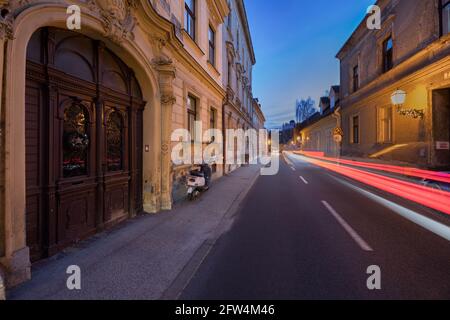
pixel 435 199
pixel 406 171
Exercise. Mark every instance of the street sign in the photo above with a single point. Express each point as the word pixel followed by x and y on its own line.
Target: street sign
pixel 338 134
pixel 442 145
pixel 337 138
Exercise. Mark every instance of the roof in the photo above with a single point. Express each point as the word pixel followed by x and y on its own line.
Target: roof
pixel 336 89
pixel 325 100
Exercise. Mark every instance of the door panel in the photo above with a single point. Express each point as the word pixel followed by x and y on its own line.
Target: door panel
pixel 33 105
pixel 76 212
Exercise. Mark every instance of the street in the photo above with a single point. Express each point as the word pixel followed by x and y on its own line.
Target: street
pixel 307 233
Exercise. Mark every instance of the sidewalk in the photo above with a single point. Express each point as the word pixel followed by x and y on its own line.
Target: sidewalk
pixel 150 257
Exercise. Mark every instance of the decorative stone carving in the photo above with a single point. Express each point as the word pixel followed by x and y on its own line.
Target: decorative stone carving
pixel 118 18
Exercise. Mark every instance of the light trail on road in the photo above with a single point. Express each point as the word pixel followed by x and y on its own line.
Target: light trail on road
pixel 406 171
pixel 435 199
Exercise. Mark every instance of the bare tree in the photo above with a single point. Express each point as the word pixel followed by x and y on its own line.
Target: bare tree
pixel 304 109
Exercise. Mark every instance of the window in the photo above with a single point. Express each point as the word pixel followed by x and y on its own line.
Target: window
pixel 355 78
pixel 385 125
pixel 212 46
pixel 192 115
pixel 189 17
pixel 355 130
pixel 445 16
pixel 114 141
pixel 213 119
pixel 388 54
pixel 75 141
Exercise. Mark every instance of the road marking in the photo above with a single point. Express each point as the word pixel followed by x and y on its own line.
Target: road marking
pixel 304 180
pixel 427 223
pixel 292 168
pixel 347 228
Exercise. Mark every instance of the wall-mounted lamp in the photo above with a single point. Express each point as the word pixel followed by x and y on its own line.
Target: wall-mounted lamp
pixel 398 99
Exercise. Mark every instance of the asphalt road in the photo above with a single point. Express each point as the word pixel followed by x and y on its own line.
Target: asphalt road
pixel 308 233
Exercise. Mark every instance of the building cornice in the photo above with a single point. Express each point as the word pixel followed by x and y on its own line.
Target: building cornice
pixel 219 9
pixel 243 14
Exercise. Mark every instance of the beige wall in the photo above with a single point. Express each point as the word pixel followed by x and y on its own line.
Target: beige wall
pixel 421 61
pixel 319 137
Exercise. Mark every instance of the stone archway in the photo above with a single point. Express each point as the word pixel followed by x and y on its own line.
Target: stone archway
pixel 16 257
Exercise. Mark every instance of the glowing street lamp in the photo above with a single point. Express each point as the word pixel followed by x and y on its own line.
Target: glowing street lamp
pixel 398 98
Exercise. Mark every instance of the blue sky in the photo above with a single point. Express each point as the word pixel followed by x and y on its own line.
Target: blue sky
pixel 296 42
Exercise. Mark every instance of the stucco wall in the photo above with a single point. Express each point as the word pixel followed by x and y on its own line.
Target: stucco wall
pixel 413 25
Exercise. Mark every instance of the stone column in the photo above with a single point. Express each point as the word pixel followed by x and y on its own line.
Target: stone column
pixel 166 74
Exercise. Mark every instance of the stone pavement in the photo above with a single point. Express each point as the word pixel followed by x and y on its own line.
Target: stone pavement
pixel 150 257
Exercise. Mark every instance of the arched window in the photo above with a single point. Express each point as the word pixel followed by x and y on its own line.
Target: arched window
pixel 114 141
pixel 75 141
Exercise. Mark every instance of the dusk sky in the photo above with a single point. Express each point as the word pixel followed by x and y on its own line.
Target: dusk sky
pixel 296 42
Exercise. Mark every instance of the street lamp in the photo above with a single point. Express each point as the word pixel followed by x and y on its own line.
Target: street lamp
pixel 398 99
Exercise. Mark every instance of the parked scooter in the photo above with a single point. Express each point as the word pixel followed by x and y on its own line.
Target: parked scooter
pixel 198 181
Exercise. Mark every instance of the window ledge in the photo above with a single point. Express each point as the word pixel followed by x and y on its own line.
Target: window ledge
pixel 187 38
pixel 213 69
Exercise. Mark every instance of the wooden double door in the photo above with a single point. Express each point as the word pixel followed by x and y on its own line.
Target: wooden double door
pixel 83 140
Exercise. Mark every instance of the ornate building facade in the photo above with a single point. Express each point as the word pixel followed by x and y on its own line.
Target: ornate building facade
pixel 240 109
pixel 87 115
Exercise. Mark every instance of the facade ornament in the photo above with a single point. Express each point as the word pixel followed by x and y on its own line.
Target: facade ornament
pixel 117 18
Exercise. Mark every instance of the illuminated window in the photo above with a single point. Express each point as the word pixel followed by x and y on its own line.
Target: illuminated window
pixel 75 141
pixel 114 141
pixel 385 125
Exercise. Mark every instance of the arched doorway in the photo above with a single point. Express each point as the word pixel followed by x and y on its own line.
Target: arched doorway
pixel 84 128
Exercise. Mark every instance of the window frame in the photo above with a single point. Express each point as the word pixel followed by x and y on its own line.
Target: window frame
pixel 212 45
pixel 190 19
pixel 355 139
pixel 442 6
pixel 213 118
pixel 381 124
pixel 355 79
pixel 388 54
pixel 192 112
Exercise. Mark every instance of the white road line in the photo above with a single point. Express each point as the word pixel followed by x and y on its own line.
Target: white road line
pixel 433 226
pixel 292 168
pixel 304 180
pixel 347 228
